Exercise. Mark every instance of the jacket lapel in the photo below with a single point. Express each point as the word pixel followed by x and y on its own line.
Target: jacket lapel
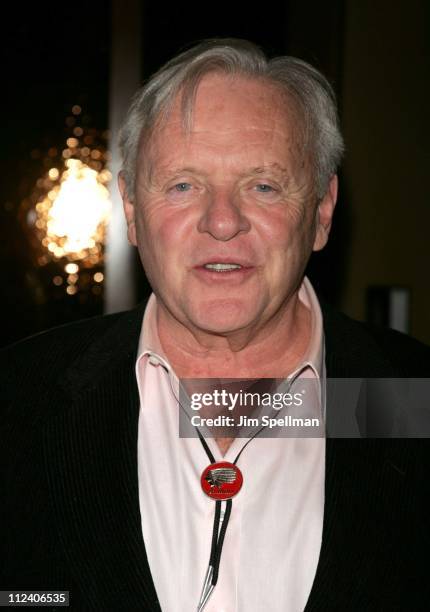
pixel 91 459
pixel 364 478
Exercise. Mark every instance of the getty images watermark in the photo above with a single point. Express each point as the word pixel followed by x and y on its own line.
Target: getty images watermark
pixel 226 400
pixel 306 407
pixel 238 408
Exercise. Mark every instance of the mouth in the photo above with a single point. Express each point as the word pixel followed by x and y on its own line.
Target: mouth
pixel 222 267
pixel 216 271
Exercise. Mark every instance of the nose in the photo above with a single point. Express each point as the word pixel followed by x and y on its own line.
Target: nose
pixel 223 218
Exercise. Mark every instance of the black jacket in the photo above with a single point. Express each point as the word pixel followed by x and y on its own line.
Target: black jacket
pixel 70 515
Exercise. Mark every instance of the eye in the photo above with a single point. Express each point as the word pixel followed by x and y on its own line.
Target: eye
pixel 264 188
pixel 181 187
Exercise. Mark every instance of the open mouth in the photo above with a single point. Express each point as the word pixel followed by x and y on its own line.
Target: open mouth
pixel 220 270
pixel 222 267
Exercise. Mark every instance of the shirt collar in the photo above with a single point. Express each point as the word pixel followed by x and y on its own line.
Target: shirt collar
pixel 149 340
pixel 314 354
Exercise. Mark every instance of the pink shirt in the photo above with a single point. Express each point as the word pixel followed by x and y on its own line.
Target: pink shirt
pixel 273 540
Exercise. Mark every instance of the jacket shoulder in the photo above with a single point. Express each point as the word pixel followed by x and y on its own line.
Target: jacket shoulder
pixel 359 349
pixel 39 361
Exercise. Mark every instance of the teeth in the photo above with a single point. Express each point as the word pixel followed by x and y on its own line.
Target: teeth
pixel 222 267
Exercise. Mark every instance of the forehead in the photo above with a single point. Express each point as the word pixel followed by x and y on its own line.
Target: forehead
pixel 230 115
pixel 220 100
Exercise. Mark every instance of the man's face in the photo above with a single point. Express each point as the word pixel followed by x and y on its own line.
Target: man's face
pixel 224 215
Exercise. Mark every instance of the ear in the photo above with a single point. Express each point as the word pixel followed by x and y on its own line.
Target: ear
pixel 325 214
pixel 129 210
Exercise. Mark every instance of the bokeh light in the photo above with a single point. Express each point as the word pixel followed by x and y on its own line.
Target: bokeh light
pixel 76 211
pixel 69 208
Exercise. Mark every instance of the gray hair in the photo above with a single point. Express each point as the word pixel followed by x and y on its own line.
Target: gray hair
pixel 304 84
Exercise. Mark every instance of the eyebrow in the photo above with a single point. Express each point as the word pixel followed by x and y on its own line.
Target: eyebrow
pixel 263 169
pixel 165 173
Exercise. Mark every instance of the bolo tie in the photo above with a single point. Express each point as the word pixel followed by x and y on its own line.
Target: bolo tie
pixel 220 481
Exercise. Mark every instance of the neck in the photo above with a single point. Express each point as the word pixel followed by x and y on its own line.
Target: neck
pixel 273 351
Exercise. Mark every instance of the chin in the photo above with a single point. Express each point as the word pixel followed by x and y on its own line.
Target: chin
pixel 222 316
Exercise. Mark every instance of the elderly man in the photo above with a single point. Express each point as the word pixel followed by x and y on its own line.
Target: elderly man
pixel 229 183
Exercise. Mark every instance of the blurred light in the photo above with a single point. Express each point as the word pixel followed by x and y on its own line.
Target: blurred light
pixel 105 176
pixel 31 216
pixel 71 268
pixel 76 109
pixel 72 143
pixel 75 213
pixel 69 208
pixel 53 174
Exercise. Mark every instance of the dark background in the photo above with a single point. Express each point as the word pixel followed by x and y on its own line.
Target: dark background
pixel 57 55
